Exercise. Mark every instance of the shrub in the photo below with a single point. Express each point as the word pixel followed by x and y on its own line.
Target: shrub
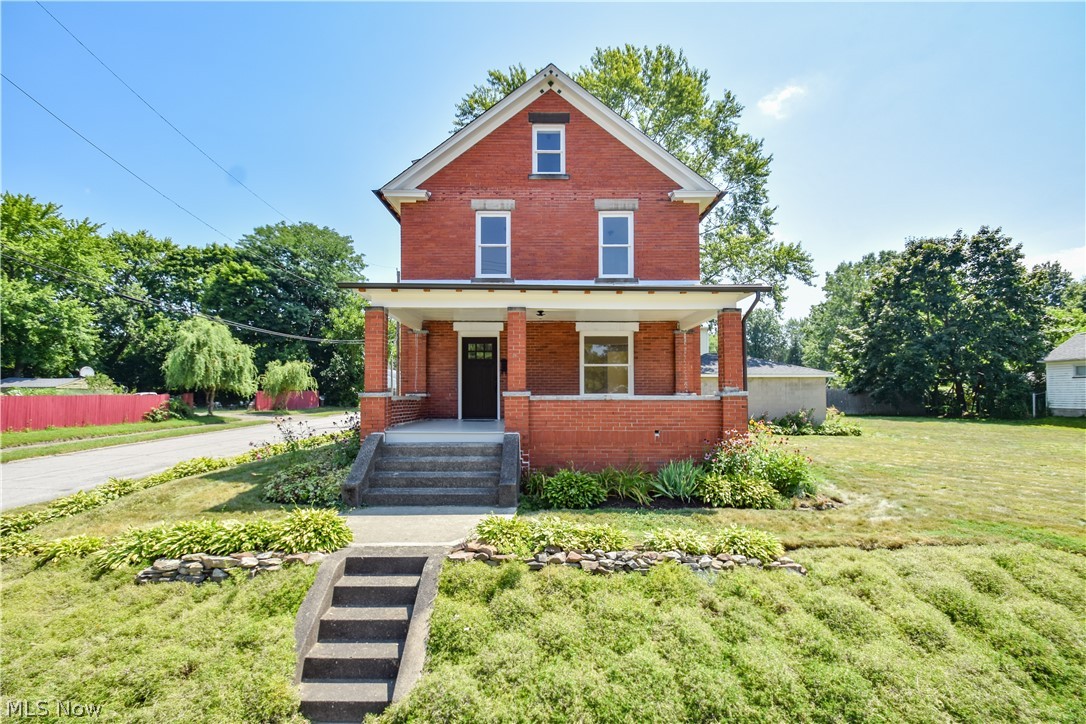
pixel 573 489
pixel 759 455
pixel 533 483
pixel 179 409
pixel 721 492
pixel 749 542
pixel 76 546
pixel 629 484
pixel 837 424
pixel 302 530
pixel 524 536
pixel 281 378
pixel 677 480
pixel 158 414
pixel 19 544
pixel 677 539
pixel 307 483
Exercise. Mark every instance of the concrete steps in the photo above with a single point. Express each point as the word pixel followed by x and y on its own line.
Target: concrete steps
pixel 435 474
pixel 351 669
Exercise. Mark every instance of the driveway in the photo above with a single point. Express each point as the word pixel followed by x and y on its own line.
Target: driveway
pixel 37 480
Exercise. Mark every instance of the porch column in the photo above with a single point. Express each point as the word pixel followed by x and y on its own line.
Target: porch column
pixel 731 364
pixel 516 399
pixel 413 360
pixel 731 359
pixel 374 403
pixel 688 361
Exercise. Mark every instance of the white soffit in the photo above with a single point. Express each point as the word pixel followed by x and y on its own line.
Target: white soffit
pixel 693 187
pixel 608 326
pixel 479 327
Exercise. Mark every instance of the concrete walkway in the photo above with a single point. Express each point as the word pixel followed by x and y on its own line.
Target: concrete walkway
pixel 37 480
pixel 416 525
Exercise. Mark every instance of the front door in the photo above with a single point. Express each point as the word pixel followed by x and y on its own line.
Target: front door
pixel 479 378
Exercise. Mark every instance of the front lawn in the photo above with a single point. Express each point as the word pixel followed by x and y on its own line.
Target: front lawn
pixel 976 633
pixel 910 480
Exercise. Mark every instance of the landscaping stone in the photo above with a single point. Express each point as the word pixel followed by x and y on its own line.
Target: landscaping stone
pixel 625 561
pixel 201 567
pixel 294 559
pixel 219 562
pixel 249 562
pixel 166 564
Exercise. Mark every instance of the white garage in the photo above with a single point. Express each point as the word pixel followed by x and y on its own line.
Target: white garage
pixel 774 388
pixel 1065 372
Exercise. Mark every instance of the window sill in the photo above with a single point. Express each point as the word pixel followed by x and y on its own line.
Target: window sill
pixel 617 280
pixel 492 280
pixel 543 176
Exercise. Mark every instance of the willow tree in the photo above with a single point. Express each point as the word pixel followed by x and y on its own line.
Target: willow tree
pixel 282 378
pixel 207 357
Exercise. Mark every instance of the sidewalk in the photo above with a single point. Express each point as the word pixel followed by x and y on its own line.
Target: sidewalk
pixel 414 525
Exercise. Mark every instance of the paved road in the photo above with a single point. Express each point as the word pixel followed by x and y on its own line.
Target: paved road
pixel 40 479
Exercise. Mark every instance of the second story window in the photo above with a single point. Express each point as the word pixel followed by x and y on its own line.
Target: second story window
pixel 616 244
pixel 492 244
pixel 548 149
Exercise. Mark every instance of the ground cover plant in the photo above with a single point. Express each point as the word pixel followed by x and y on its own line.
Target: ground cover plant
pixel 802 423
pixel 978 633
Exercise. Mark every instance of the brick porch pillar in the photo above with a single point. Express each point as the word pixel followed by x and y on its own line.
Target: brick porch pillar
pixel 516 398
pixel 688 361
pixel 731 365
pixel 413 360
pixel 374 404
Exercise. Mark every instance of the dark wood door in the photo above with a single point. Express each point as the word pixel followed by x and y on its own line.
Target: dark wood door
pixel 479 378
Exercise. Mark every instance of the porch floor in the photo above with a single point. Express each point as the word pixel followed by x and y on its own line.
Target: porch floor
pixel 438 431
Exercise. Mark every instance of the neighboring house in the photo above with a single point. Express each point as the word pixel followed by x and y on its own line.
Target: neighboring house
pixel 550 285
pixel 45 385
pixel 1065 372
pixel 775 388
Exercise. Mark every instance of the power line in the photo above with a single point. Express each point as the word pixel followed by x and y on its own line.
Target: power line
pixel 159 114
pixel 52 268
pixel 152 187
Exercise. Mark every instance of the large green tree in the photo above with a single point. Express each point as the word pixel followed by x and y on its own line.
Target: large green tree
pixel 50 270
pixel 1064 300
pixel 824 326
pixel 207 357
pixel 953 321
pixel 670 100
pixel 283 278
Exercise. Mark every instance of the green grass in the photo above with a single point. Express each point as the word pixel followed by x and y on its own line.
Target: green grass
pixel 977 633
pixel 921 481
pixel 154 653
pixel 40 443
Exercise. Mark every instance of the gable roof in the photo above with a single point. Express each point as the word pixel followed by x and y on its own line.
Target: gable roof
pixel 1072 350
pixel 763 368
pixel 692 187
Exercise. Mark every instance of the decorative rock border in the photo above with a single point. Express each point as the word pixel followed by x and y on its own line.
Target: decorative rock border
pixel 200 567
pixel 626 561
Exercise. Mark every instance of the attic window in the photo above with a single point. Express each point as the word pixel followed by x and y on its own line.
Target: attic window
pixel 548 149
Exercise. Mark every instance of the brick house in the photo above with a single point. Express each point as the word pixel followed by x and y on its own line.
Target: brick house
pixel 550 289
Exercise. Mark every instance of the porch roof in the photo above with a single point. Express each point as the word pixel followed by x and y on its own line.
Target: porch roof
pixel 689 305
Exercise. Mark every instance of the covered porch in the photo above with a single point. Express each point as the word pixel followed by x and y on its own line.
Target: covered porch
pixel 592 375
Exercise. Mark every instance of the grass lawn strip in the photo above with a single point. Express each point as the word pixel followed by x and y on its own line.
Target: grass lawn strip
pixel 976 633
pixel 45 449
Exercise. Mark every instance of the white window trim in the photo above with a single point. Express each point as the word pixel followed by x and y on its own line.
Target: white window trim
pixel 479 215
pixel 629 341
pixel 560 128
pixel 460 334
pixel 629 247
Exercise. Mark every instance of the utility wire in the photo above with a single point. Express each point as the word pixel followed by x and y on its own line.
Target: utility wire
pixel 152 187
pixel 63 271
pixel 171 125
pixel 159 114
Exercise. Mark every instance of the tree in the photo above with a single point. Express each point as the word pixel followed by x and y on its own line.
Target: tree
pixel 823 328
pixel 343 378
pixel 207 357
pixel 283 278
pixel 282 378
pixel 765 336
pixel 43 334
pixel 660 92
pixel 953 321
pixel 1064 300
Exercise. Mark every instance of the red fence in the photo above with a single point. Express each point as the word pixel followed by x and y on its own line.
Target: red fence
pixel 294 401
pixel 38 412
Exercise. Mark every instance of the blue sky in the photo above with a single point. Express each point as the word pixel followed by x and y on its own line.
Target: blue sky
pixel 885 121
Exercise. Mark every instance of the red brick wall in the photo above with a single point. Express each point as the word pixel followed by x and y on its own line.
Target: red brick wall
pixel 441 371
pixel 376 350
pixel 654 359
pixel 554 227
pixel 688 361
pixel 515 348
pixel 553 358
pixel 412 360
pixel 596 433
pixel 402 410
